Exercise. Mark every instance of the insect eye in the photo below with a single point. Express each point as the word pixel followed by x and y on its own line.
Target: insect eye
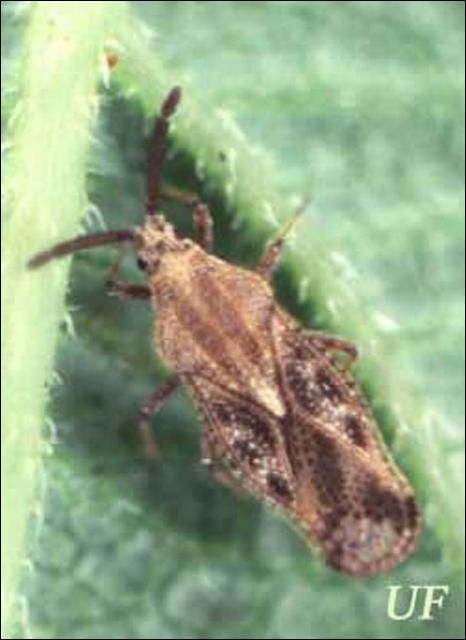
pixel 142 264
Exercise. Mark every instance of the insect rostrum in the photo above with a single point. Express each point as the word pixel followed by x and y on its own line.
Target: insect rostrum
pixel 282 419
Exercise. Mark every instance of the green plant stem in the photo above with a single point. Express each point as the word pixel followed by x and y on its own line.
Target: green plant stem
pixel 43 200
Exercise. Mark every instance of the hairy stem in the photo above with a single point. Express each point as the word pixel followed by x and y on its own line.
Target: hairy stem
pixel 43 200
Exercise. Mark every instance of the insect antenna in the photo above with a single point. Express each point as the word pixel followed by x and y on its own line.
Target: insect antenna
pixel 80 243
pixel 158 148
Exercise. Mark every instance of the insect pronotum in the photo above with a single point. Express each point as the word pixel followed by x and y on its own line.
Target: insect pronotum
pixel 282 418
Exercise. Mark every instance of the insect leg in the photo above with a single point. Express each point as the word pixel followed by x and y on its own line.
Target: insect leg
pixel 128 291
pixel 204 226
pixel 201 214
pixel 331 343
pixel 271 255
pixel 188 198
pixel 153 403
pixel 125 290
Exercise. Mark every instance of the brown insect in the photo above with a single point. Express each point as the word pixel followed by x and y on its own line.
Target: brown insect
pixel 282 418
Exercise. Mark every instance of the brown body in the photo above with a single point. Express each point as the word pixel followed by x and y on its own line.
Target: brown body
pixel 282 418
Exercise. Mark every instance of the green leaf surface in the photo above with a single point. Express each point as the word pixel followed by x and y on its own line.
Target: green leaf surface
pixel 358 105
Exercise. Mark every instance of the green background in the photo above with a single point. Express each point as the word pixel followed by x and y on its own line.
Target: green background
pixel 360 106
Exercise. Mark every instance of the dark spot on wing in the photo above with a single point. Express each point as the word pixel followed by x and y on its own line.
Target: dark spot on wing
pixel 333 520
pixel 325 466
pixel 381 503
pixel 355 430
pixel 412 512
pixel 328 386
pixel 247 451
pixel 334 557
pixel 306 393
pixel 245 418
pixel 280 487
